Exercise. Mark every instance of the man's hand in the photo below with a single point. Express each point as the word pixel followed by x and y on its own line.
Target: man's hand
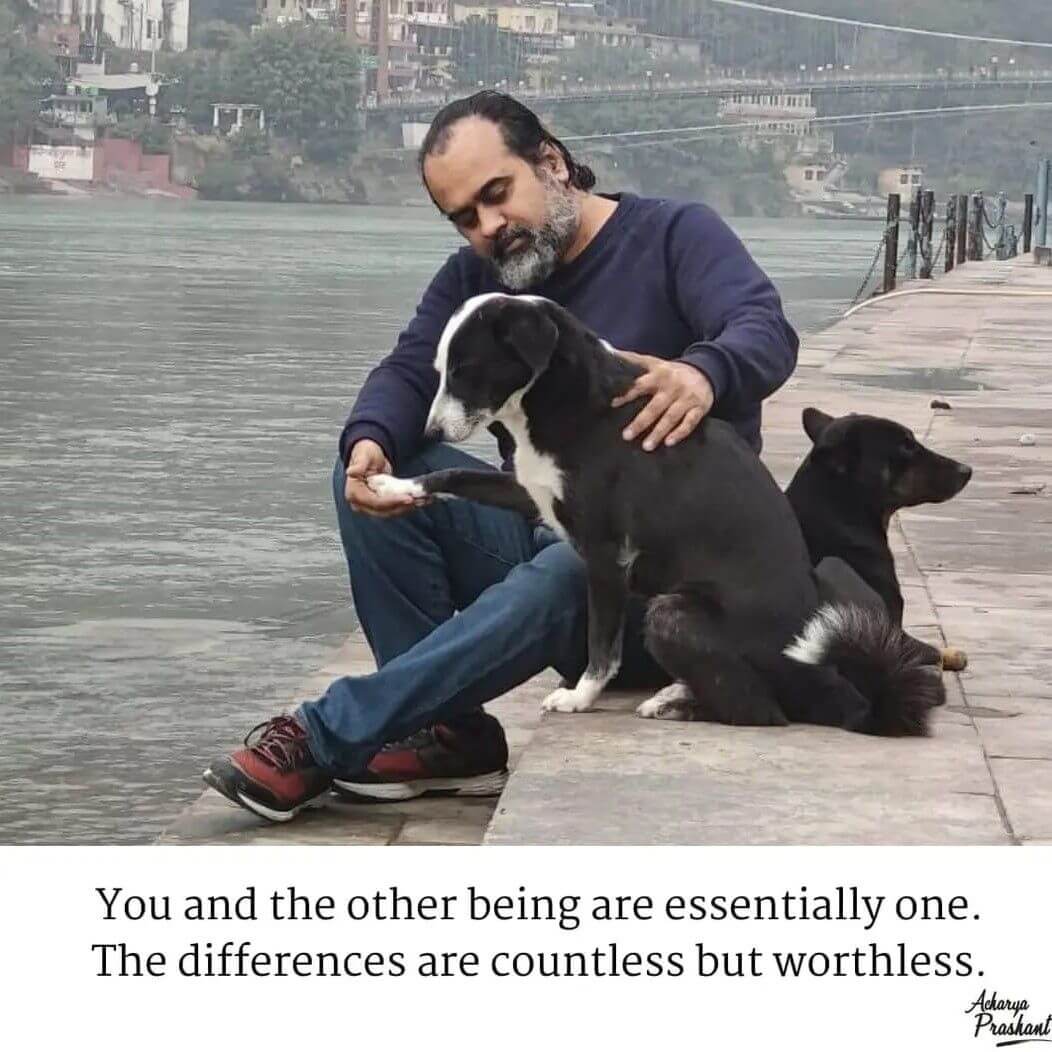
pixel 678 396
pixel 367 459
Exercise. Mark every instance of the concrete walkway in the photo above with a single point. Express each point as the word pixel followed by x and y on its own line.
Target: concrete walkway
pixel 977 574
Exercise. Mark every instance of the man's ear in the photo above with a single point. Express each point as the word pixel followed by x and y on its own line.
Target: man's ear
pixel 815 422
pixel 552 159
pixel 529 330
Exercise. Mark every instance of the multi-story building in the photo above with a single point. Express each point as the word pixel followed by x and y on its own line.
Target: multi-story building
pixel 538 18
pixel 580 23
pixel 784 120
pixel 141 25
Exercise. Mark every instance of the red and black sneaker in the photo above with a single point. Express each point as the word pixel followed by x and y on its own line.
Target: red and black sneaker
pixel 466 757
pixel 276 776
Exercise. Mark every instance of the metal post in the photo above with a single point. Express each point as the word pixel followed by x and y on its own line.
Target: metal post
pixel 1044 188
pixel 911 245
pixel 962 228
pixel 951 233
pixel 1028 221
pixel 891 242
pixel 975 229
pixel 927 224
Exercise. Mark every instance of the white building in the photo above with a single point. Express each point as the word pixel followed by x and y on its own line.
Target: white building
pixel 142 25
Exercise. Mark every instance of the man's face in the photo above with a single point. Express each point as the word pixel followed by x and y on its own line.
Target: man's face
pixel 520 217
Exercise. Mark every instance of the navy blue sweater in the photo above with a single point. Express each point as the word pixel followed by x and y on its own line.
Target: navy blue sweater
pixel 661 277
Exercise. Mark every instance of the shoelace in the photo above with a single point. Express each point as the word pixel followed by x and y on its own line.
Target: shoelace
pixel 282 744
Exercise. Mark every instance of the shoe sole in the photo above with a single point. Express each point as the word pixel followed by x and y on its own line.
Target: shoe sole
pixel 236 796
pixel 481 785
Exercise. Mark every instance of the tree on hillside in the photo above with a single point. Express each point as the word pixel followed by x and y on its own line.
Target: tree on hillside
pixel 27 75
pixel 306 80
pixel 484 52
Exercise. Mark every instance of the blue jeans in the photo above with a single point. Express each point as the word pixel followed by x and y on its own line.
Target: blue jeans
pixel 460 603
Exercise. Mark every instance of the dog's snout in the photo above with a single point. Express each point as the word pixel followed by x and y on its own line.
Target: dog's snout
pixel 964 473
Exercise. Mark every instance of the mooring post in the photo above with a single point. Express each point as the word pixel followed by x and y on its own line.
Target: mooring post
pixel 962 228
pixel 891 242
pixel 1044 189
pixel 975 228
pixel 1001 249
pixel 911 244
pixel 951 233
pixel 927 225
pixel 1028 221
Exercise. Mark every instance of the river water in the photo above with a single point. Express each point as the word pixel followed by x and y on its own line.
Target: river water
pixel 173 379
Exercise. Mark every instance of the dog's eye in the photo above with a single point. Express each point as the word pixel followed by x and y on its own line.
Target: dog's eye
pixel 908 447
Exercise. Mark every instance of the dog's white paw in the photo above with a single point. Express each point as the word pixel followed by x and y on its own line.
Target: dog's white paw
pixel 389 486
pixel 563 700
pixel 665 703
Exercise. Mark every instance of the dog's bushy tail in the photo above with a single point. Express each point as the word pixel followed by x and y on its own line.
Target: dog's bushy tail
pixel 874 656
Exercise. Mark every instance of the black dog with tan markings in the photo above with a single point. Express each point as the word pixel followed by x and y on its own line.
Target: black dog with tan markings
pixel 859 472
pixel 749 632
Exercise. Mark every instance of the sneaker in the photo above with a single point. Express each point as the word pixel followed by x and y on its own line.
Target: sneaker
pixel 468 757
pixel 275 777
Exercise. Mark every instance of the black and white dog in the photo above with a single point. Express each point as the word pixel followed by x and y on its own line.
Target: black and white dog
pixel 736 615
pixel 860 471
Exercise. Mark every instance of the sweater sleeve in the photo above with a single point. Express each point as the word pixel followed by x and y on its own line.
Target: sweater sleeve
pixel 743 342
pixel 394 401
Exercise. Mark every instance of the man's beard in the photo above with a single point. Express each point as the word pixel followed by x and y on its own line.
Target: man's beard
pixel 545 246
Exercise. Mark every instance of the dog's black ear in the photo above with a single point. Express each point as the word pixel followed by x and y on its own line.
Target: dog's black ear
pixel 837 449
pixel 530 331
pixel 815 422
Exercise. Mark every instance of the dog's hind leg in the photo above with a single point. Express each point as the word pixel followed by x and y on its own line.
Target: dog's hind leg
pixel 674 702
pixel 716 684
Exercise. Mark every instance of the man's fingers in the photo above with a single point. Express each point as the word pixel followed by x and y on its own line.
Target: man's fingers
pixel 686 427
pixel 648 416
pixel 669 420
pixel 642 385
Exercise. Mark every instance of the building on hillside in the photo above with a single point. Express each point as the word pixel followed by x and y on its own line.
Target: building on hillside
pixel 673 47
pixel 541 19
pixel 905 179
pixel 783 120
pixel 580 23
pixel 139 25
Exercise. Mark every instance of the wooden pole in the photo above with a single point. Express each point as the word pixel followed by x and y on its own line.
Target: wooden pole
pixel 927 225
pixel 1028 221
pixel 951 233
pixel 962 228
pixel 911 247
pixel 975 229
pixel 891 245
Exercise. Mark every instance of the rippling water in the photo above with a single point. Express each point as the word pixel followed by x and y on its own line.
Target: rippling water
pixel 173 378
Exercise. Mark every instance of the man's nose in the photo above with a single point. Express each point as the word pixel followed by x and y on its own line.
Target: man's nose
pixel 491 222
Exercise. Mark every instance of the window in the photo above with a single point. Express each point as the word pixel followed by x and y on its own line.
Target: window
pixel 809 176
pixel 149 29
pixel 903 179
pixel 916 179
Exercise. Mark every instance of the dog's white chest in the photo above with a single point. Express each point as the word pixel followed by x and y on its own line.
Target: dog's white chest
pixel 538 474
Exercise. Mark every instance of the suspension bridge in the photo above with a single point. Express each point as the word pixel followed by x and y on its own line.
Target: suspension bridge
pixel 423 105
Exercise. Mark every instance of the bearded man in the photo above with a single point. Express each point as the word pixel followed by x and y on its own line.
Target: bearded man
pixel 665 282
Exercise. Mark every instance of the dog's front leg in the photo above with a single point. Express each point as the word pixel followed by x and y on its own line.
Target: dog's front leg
pixel 607 600
pixel 496 488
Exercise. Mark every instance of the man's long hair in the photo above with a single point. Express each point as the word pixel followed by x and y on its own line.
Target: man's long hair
pixel 523 133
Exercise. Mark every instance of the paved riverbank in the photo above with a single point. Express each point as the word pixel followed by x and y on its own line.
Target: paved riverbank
pixel 977 573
